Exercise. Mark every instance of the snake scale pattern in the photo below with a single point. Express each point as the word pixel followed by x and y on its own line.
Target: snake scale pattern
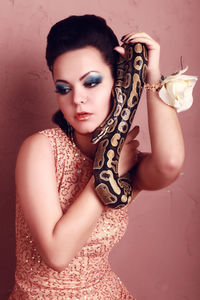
pixel 113 190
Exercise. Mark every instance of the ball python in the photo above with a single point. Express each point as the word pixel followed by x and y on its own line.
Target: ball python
pixel 113 190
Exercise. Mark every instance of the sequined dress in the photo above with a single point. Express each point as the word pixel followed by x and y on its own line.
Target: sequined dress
pixel 88 275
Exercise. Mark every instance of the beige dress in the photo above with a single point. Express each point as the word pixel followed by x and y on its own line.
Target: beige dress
pixel 88 275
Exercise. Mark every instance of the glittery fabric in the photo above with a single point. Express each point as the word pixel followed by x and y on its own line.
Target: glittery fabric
pixel 88 275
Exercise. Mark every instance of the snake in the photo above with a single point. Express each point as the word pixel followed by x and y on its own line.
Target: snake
pixel 113 190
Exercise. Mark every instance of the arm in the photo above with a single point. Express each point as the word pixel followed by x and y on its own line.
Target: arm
pixel 57 235
pixel 162 166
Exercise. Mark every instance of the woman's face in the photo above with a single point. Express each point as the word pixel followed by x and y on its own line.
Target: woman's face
pixel 83 85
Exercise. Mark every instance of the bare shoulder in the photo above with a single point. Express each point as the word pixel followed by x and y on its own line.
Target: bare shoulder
pixel 36 147
pixel 35 142
pixel 34 158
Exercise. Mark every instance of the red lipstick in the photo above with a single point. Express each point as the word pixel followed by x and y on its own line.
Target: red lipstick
pixel 82 116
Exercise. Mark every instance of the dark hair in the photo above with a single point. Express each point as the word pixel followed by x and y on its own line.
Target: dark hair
pixel 76 32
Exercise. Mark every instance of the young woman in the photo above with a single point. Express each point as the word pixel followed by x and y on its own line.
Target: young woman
pixel 64 233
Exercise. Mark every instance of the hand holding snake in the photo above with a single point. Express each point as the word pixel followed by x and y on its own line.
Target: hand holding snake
pixel 114 190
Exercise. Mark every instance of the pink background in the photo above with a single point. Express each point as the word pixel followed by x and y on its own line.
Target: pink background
pixel 159 257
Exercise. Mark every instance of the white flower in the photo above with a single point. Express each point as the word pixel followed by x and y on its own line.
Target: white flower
pixel 177 90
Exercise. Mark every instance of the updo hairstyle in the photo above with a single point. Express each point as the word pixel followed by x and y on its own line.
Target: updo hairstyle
pixel 76 32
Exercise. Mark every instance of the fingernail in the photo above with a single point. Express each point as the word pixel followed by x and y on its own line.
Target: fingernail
pixel 124 40
pixel 137 127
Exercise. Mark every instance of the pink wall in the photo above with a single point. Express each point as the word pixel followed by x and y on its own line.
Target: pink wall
pixel 159 257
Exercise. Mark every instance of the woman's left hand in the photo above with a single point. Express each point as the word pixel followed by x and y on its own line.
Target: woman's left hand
pixel 153 47
pixel 129 154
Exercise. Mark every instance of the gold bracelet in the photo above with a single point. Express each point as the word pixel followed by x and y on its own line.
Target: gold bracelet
pixel 155 87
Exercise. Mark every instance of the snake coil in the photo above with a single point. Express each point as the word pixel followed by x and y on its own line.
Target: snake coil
pixel 113 190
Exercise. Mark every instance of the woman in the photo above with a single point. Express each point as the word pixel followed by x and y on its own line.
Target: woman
pixel 64 233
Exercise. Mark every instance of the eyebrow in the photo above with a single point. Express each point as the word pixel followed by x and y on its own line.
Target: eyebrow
pixel 82 77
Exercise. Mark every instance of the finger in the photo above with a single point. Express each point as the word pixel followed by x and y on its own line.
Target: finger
pixel 134 144
pixel 134 35
pixel 141 37
pixel 140 34
pixel 132 134
pixel 150 43
pixel 126 36
pixel 120 50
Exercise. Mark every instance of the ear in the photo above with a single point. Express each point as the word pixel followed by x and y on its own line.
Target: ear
pixel 120 50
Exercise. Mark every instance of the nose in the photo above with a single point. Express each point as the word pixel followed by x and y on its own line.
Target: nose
pixel 79 97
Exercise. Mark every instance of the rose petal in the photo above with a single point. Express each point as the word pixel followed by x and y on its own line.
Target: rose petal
pixel 177 90
pixel 164 95
pixel 170 87
pixel 178 77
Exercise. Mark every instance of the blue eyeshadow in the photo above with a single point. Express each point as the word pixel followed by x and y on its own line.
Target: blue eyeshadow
pixel 62 88
pixel 95 78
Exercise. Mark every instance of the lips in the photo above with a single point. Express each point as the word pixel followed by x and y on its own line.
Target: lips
pixel 83 116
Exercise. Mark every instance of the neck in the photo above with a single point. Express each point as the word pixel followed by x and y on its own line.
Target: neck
pixel 83 142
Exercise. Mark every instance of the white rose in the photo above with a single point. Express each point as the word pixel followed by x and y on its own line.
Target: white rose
pixel 177 90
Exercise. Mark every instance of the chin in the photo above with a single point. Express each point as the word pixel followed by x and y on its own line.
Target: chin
pixel 86 130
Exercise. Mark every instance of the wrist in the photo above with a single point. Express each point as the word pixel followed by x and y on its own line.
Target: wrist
pixel 153 76
pixel 91 189
pixel 154 83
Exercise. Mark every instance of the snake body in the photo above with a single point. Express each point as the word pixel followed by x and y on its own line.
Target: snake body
pixel 113 190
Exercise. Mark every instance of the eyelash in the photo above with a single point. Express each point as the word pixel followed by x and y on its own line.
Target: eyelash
pixel 62 90
pixel 91 84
